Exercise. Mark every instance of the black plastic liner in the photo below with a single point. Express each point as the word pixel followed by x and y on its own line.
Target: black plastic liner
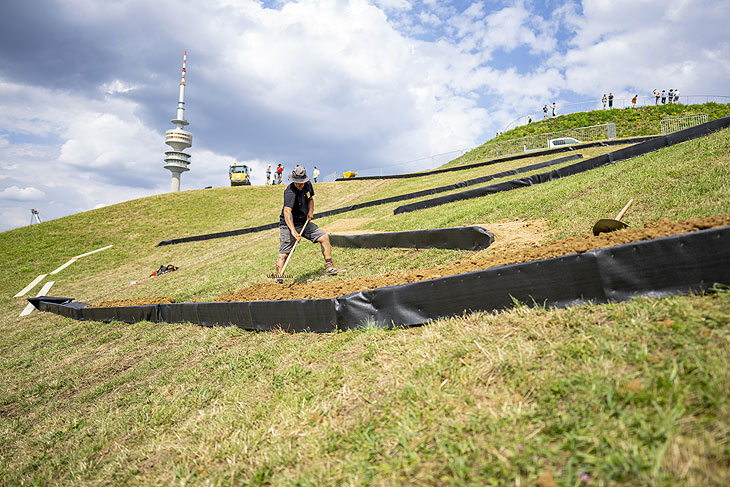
pixel 524 155
pixel 456 238
pixel 210 236
pixel 650 145
pixel 666 266
pixel 367 204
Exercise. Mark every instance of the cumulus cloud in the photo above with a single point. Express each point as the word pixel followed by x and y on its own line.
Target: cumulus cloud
pixel 117 86
pixel 22 194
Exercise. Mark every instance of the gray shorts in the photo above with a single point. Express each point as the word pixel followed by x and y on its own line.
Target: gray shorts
pixel 286 240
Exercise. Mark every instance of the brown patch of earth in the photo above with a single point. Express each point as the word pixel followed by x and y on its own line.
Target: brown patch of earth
pixel 511 235
pixel 572 245
pixel 346 224
pixel 515 241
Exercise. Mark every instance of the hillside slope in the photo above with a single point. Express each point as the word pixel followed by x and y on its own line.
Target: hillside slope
pixel 630 122
pixel 625 393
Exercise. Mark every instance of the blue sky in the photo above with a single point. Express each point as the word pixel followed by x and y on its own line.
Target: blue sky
pixel 88 88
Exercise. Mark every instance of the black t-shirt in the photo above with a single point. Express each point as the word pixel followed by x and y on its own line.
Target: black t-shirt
pixel 298 201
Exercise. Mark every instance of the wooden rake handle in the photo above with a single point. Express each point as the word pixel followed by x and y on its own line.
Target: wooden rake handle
pixel 621 213
pixel 286 262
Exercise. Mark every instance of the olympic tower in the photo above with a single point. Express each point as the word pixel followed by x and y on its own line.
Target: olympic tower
pixel 177 161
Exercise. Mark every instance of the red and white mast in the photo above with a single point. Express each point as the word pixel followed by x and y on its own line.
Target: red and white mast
pixel 177 161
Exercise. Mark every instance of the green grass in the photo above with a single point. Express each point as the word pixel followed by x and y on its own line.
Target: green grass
pixel 630 393
pixel 630 122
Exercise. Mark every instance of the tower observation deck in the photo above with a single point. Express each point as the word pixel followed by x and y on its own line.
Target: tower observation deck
pixel 177 161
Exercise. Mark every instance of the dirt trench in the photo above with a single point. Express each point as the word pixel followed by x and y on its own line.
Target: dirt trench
pixel 522 246
pixel 515 241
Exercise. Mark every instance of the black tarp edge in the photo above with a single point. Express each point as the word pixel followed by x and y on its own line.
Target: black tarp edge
pixel 454 238
pixel 699 260
pixel 645 147
pixel 382 201
pixel 522 155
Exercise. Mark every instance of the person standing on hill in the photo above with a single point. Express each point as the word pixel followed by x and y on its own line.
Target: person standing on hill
pixel 298 209
pixel 664 97
pixel 676 96
pixel 656 96
pixel 633 100
pixel 670 97
pixel 554 110
pixel 279 172
pixel 610 99
pixel 544 112
pixel 268 174
pixel 315 174
pixel 604 101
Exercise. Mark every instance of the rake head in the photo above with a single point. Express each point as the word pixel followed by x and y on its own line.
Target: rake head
pixel 279 278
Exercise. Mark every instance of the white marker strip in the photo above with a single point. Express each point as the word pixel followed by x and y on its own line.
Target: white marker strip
pixel 93 251
pixel 31 285
pixel 64 266
pixel 44 290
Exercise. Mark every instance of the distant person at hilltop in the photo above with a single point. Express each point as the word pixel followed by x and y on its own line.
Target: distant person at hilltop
pixel 315 174
pixel 604 101
pixel 544 112
pixel 676 96
pixel 554 110
pixel 529 119
pixel 610 99
pixel 656 96
pixel 633 100
pixel 670 97
pixel 664 97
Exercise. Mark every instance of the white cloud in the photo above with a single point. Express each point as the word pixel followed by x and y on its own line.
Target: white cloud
pixel 117 86
pixel 625 46
pixel 21 194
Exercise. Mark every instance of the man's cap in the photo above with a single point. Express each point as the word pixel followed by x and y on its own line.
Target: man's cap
pixel 298 175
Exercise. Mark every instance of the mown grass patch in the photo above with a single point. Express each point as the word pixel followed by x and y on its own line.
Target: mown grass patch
pixel 629 392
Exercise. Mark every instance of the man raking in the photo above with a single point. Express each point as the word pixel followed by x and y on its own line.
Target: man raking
pixel 299 209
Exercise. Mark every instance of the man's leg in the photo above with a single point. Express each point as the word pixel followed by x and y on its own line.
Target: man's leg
pixel 329 266
pixel 326 247
pixel 280 263
pixel 286 243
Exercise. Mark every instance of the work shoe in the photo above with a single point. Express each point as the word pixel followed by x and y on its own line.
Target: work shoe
pixel 331 270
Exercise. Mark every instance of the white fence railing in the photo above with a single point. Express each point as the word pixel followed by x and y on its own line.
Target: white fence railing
pixel 675 124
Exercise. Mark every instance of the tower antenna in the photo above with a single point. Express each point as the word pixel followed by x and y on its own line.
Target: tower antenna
pixel 177 161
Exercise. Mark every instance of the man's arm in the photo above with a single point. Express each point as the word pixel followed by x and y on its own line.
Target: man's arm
pixel 289 219
pixel 310 212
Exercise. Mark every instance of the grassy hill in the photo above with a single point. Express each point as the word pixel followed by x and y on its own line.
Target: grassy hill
pixel 627 393
pixel 630 122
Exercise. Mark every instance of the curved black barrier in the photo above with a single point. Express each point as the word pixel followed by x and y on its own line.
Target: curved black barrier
pixel 210 236
pixel 678 264
pixel 367 204
pixel 524 155
pixel 650 145
pixel 456 238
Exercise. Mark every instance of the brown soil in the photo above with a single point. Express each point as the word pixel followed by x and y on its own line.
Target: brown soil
pixel 527 250
pixel 515 241
pixel 346 224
